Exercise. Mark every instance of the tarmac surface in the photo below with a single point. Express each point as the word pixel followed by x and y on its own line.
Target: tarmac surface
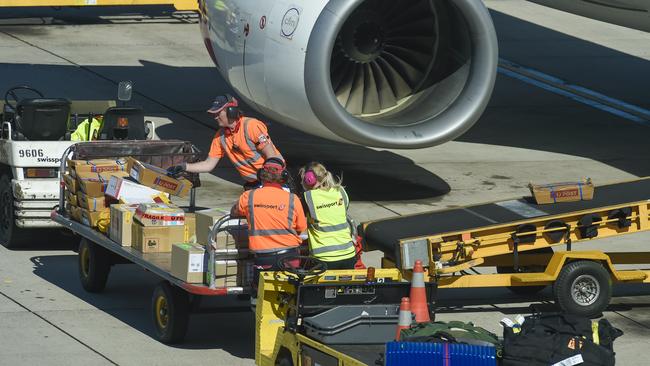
pixel 527 134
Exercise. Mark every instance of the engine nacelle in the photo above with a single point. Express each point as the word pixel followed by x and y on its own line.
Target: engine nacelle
pixel 382 73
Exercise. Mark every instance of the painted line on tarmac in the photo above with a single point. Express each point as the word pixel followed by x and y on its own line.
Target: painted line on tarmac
pixel 59 328
pixel 578 93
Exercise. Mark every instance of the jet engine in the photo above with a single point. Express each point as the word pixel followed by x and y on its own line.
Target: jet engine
pixel 381 73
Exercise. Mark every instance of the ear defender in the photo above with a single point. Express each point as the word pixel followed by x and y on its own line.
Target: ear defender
pixel 276 166
pixel 232 108
pixel 309 179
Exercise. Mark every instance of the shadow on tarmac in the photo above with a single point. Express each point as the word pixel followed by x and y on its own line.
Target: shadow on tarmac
pixel 127 297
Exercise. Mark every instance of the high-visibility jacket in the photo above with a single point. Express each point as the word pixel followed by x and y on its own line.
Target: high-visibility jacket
pixel 242 146
pixel 330 238
pixel 87 131
pixel 275 218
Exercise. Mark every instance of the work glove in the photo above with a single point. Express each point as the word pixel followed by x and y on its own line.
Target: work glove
pixel 176 170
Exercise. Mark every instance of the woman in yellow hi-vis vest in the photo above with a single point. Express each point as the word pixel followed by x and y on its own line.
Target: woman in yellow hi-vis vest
pixel 330 237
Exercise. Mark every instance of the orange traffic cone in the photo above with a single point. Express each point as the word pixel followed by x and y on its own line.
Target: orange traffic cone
pixel 418 294
pixel 404 316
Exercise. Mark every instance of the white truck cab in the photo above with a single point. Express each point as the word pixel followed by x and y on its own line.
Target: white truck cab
pixel 34 134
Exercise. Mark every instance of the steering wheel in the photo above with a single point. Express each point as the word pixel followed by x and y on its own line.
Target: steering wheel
pixel 302 266
pixel 12 93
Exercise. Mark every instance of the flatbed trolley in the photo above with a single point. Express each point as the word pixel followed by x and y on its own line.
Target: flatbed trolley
pixel 517 236
pixel 173 299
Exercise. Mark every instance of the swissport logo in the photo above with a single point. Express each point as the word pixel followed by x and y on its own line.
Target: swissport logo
pixel 165 184
pixel 270 207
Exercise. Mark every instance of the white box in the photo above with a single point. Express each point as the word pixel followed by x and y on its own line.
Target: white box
pixel 130 193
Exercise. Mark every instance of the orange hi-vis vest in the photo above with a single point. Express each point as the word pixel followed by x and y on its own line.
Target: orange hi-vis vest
pixel 243 147
pixel 275 218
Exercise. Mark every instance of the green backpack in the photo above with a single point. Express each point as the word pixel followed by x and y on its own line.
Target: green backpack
pixel 453 332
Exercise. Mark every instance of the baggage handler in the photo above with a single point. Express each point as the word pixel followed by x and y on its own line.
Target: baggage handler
pixel 330 235
pixel 275 218
pixel 245 141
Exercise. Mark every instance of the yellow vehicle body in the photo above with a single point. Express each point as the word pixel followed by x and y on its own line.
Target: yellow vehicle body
pixel 178 4
pixel 274 303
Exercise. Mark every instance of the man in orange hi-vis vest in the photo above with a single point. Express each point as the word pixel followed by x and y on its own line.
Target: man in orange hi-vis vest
pixel 245 141
pixel 275 218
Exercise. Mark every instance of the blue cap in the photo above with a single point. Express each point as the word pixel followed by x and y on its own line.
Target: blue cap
pixel 221 102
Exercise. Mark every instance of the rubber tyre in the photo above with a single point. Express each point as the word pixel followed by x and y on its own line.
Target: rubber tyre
pixel 170 310
pixel 11 236
pixel 94 266
pixel 583 288
pixel 284 358
pixel 526 290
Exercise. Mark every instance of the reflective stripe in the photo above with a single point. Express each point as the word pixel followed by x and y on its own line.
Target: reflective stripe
pixel 290 218
pixel 251 212
pixel 251 145
pixel 310 206
pixel 271 232
pixel 329 229
pixel 333 248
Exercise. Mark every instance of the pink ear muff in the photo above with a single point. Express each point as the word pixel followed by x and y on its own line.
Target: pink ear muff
pixel 309 179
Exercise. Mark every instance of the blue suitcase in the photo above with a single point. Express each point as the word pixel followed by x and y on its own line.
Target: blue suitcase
pixel 438 354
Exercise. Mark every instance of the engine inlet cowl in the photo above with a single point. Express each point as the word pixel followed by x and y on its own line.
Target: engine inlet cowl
pixel 396 74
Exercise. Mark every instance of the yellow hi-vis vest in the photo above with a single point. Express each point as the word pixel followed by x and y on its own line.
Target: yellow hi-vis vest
pixel 329 233
pixel 87 131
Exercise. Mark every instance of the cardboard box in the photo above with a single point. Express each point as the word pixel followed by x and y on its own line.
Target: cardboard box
pixel 190 228
pixel 94 184
pixel 187 262
pixel 91 218
pixel 562 192
pixel 70 183
pixel 71 198
pixel 155 239
pixel 129 192
pixel 224 272
pixel 157 178
pixel 121 221
pixel 74 212
pixel 235 237
pixel 96 166
pixel 156 214
pixel 91 203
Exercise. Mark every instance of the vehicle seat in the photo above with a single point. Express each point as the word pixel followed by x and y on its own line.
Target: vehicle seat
pixel 135 119
pixel 41 119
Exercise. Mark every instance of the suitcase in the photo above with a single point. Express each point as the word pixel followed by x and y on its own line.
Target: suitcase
pixel 442 354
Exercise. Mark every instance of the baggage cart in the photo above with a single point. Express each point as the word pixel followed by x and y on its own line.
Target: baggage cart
pixel 173 299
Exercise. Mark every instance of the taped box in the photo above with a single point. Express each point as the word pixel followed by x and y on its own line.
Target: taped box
pixel 157 214
pixel 91 203
pixel 92 218
pixel 94 184
pixel 96 166
pixel 235 235
pixel 187 262
pixel 70 183
pixel 224 272
pixel 121 221
pixel 155 239
pixel 71 198
pixel 562 192
pixel 128 192
pixel 157 178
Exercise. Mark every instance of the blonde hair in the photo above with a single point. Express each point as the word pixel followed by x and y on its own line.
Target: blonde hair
pixel 324 179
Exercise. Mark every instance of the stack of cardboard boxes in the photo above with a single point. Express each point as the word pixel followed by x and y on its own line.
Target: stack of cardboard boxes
pixel 86 183
pixel 134 196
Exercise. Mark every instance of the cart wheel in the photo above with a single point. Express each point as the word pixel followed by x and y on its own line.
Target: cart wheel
pixel 284 358
pixel 583 288
pixel 94 266
pixel 171 312
pixel 526 290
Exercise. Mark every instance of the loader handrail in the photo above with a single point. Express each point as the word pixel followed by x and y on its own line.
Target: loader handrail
pixel 6 126
pixel 221 225
pixel 62 169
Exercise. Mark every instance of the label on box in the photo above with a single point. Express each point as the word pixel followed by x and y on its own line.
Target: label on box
pixel 196 263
